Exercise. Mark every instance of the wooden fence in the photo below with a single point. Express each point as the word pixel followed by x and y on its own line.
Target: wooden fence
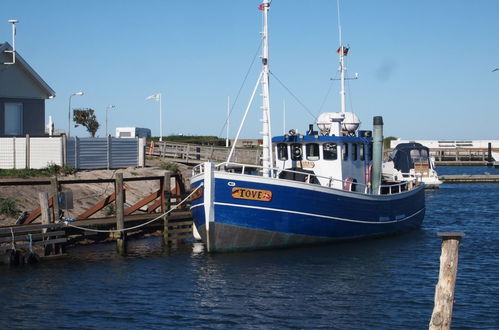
pixel 194 154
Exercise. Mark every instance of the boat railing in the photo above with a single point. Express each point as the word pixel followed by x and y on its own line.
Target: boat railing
pixel 386 189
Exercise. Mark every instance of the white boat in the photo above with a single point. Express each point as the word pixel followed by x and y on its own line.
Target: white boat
pixel 411 161
pixel 318 187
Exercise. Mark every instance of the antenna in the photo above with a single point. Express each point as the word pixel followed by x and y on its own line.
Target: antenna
pixel 13 51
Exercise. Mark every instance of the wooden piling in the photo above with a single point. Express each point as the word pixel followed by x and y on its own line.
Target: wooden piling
pixel 120 214
pixel 166 204
pixel 54 187
pixel 43 198
pixel 444 292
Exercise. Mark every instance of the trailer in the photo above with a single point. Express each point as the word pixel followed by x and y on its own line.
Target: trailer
pixel 132 132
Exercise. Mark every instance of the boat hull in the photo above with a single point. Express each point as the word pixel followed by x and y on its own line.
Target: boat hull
pixel 297 213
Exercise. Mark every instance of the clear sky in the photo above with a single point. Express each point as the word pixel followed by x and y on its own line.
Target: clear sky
pixel 425 66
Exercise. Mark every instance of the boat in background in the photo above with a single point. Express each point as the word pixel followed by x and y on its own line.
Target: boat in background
pixel 323 186
pixel 411 161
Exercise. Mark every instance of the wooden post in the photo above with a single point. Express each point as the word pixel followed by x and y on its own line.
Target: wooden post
pixel 45 214
pixel 120 211
pixel 165 206
pixel 28 152
pixel 54 187
pixel 444 292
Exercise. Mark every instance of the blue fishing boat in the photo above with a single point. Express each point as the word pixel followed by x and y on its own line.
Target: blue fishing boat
pixel 317 187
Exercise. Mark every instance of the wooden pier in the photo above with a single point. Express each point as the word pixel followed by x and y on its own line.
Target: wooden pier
pixel 164 212
pixel 464 178
pixel 195 154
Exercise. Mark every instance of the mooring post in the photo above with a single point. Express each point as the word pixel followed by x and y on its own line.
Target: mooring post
pixel 166 195
pixel 120 211
pixel 43 198
pixel 54 187
pixel 444 292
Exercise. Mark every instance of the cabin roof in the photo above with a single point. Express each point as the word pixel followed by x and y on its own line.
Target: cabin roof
pixel 320 139
pixel 24 65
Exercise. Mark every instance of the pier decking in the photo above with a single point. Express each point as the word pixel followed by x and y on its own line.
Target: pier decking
pixel 465 178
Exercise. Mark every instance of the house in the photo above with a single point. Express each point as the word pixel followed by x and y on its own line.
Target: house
pixel 22 96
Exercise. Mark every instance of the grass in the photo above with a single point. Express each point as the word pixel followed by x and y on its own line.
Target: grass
pixel 169 166
pixel 50 170
pixel 8 207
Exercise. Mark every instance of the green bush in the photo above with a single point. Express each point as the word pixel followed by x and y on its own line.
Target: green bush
pixel 8 207
pixel 109 209
pixel 169 166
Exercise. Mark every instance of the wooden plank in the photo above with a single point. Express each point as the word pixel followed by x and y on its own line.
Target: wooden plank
pixel 28 228
pixel 8 182
pixel 37 243
pixel 35 214
pixel 34 237
pixel 97 207
pixel 154 206
pixel 143 202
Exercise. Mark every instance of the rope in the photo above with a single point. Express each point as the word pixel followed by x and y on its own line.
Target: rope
pixel 293 95
pixel 30 242
pixel 13 239
pixel 66 221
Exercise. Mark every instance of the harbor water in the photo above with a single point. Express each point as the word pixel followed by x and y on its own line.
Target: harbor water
pixel 385 283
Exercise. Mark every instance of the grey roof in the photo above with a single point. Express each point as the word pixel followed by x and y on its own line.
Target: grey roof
pixel 19 60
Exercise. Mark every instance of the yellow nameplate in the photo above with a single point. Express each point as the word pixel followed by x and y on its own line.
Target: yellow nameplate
pixel 197 194
pixel 253 194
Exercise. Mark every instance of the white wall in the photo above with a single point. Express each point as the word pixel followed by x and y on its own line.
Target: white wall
pixel 42 152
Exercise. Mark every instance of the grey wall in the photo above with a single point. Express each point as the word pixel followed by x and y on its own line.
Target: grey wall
pixel 33 115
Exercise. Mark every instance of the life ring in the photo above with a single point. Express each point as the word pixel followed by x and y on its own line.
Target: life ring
pixel 349 184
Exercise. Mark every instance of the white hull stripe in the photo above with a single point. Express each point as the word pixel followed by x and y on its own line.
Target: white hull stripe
pixel 315 215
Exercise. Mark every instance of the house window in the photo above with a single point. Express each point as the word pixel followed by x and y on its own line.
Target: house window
pixel 13 119
pixel 312 151
pixel 354 151
pixel 329 151
pixel 282 151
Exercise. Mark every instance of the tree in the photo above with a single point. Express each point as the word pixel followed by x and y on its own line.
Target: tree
pixel 387 140
pixel 86 118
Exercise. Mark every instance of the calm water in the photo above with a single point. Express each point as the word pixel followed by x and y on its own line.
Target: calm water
pixel 383 283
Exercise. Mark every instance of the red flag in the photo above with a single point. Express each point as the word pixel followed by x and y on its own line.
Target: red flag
pixel 260 7
pixel 345 50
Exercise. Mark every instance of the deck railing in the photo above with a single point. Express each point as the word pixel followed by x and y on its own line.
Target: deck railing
pixel 389 189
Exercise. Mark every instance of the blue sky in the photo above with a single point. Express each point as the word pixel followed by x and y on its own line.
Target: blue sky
pixel 425 66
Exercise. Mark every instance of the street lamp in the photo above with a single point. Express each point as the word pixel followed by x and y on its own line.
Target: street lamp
pixel 69 111
pixel 111 106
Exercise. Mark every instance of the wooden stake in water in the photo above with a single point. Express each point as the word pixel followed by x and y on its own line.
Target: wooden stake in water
pixel 444 292
pixel 120 211
pixel 166 201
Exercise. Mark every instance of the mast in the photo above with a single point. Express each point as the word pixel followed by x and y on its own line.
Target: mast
pixel 267 157
pixel 342 51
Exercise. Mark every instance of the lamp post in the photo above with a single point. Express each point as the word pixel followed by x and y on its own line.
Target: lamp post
pixel 111 106
pixel 69 111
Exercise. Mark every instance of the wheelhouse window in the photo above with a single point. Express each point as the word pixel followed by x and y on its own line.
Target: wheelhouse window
pixel 361 151
pixel 345 151
pixel 354 151
pixel 370 148
pixel 312 151
pixel 296 152
pixel 282 151
pixel 329 151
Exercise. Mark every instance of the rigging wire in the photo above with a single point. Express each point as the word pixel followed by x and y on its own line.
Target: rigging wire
pixel 294 96
pixel 327 93
pixel 241 88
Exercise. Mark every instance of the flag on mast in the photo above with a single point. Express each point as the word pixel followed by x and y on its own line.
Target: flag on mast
pixel 345 50
pixel 260 7
pixel 153 97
